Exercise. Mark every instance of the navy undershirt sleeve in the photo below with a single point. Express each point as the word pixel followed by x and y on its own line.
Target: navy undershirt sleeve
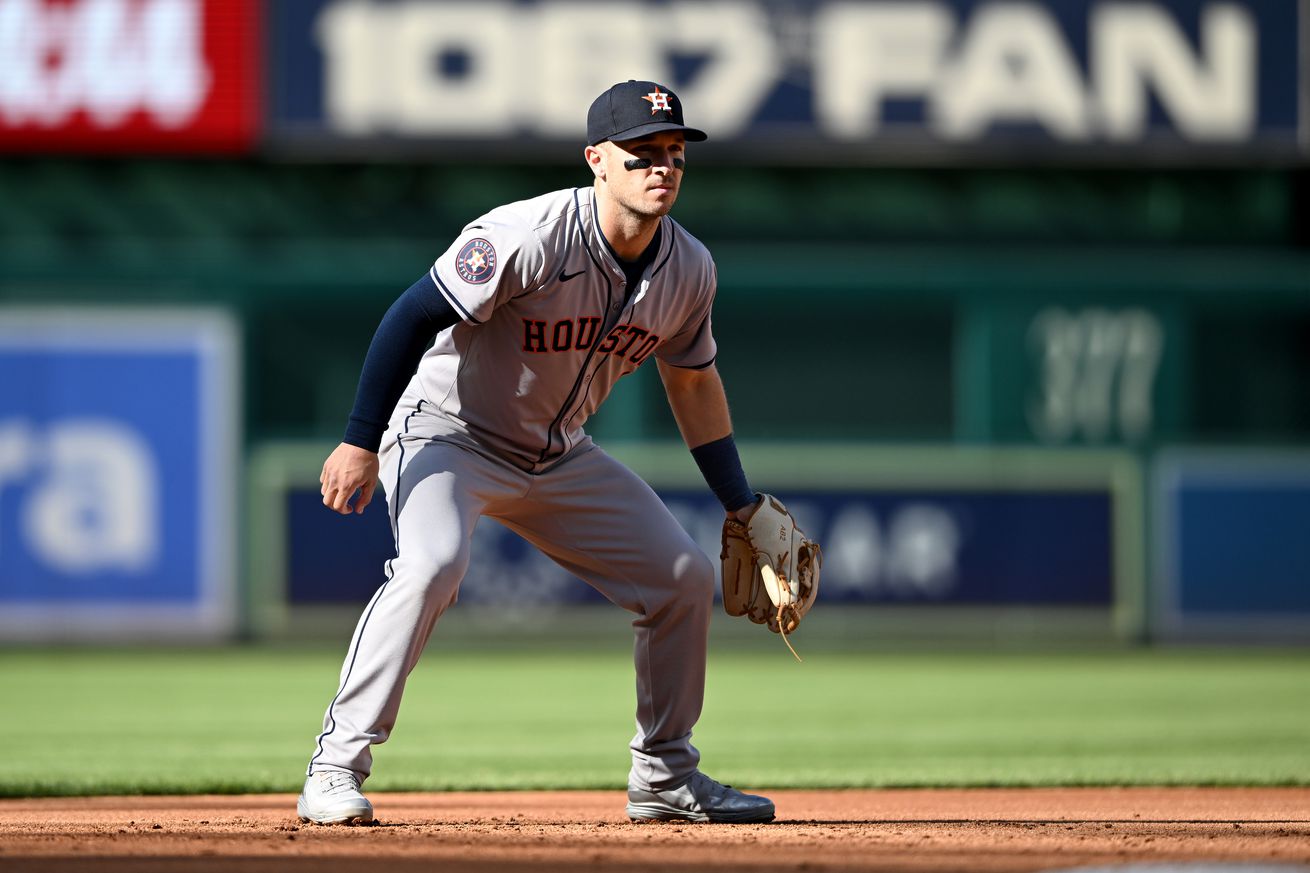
pixel 399 343
pixel 721 466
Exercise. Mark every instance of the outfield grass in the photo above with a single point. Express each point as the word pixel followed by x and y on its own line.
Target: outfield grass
pixel 244 719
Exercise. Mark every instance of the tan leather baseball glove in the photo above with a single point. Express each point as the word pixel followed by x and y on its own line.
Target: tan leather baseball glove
pixel 770 569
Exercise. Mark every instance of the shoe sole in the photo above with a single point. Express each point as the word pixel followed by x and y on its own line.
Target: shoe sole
pixel 644 812
pixel 349 818
pixel 349 822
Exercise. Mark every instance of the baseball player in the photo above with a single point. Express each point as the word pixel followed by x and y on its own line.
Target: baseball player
pixel 538 308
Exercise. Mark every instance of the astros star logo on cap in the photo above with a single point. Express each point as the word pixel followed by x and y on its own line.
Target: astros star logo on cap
pixel 658 100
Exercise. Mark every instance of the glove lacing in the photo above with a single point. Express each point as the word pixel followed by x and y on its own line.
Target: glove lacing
pixel 782 632
pixel 782 628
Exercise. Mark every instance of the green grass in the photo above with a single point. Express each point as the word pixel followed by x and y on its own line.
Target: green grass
pixel 244 719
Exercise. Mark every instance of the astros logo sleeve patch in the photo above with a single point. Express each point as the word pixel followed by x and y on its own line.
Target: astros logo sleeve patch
pixel 476 261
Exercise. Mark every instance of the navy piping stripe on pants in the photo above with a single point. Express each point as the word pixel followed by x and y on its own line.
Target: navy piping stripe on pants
pixel 332 719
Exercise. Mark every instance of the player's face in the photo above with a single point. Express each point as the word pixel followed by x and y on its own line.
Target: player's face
pixel 647 192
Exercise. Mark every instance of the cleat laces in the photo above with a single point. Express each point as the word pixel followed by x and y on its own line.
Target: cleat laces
pixel 336 782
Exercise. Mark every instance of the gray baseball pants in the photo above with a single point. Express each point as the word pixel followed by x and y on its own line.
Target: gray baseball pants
pixel 590 514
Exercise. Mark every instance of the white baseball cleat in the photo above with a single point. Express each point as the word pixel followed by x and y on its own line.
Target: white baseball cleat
pixel 332 797
pixel 700 798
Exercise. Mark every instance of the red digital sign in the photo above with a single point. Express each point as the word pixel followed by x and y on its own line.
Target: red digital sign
pixel 143 76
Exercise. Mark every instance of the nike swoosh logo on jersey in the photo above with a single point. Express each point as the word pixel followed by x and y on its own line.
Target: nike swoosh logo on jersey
pixel 564 277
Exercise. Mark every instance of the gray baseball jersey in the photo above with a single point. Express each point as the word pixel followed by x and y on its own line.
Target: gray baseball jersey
pixel 549 325
pixel 491 424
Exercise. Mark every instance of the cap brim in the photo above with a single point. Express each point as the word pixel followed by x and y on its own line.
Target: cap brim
pixel 691 133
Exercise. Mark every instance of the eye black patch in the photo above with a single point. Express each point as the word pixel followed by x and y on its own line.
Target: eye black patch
pixel 647 163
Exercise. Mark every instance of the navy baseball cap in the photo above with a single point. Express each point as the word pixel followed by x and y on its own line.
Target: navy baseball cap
pixel 635 109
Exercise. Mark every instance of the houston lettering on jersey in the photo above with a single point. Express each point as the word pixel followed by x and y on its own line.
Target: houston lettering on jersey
pixel 629 341
pixel 572 340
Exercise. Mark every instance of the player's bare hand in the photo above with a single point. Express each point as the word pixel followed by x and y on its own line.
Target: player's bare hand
pixel 347 470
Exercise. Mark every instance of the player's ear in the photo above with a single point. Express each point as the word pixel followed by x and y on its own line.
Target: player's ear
pixel 596 160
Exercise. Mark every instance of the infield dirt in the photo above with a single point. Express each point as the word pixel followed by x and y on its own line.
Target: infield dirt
pixel 887 830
